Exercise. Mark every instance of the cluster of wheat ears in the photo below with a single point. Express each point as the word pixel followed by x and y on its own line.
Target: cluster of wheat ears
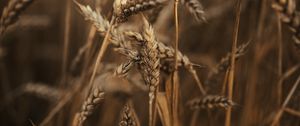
pixel 150 64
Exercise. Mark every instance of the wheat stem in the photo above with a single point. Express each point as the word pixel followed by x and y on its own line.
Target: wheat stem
pixel 66 41
pixel 101 52
pixel 285 103
pixel 232 66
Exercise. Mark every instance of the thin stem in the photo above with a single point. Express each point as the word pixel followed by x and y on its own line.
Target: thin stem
pixel 232 66
pixel 225 82
pixel 279 42
pixel 66 41
pixel 175 81
pixel 102 50
pixel 285 103
pixel 176 33
pixel 292 112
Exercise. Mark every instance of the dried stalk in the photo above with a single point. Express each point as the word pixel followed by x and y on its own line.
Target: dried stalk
pixel 232 60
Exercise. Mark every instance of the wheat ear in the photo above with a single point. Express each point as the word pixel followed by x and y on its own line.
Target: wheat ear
pixel 11 13
pixel 125 8
pixel 195 8
pixel 128 117
pixel 210 101
pixel 89 104
pixel 290 16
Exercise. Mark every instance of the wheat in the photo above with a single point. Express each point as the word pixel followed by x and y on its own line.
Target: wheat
pixel 210 101
pixel 167 54
pixel 224 63
pixel 149 64
pixel 89 104
pixel 127 118
pixel 125 8
pixel 94 17
pixel 290 16
pixel 11 13
pixel 195 8
pixel 42 91
pixel 123 69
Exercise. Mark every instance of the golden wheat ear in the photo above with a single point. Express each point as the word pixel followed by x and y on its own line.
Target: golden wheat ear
pixel 128 116
pixel 210 101
pixel 11 13
pixel 90 104
pixel 196 9
pixel 125 8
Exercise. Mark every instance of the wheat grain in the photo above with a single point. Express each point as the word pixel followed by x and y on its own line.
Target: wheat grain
pixel 94 17
pixel 125 8
pixel 195 8
pixel 89 104
pixel 290 16
pixel 149 64
pixel 123 69
pixel 127 118
pixel 224 63
pixel 149 59
pixel 166 55
pixel 11 13
pixel 210 101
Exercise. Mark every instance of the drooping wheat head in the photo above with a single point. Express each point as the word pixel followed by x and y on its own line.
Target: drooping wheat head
pixel 210 101
pixel 125 8
pixel 11 13
pixel 90 104
pixel 195 8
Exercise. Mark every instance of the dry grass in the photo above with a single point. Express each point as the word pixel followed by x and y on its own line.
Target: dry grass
pixel 142 62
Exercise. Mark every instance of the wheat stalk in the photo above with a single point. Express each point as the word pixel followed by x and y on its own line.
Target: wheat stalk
pixel 11 13
pixel 209 102
pixel 290 16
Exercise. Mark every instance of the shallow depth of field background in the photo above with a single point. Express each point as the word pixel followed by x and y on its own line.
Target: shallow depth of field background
pixel 33 49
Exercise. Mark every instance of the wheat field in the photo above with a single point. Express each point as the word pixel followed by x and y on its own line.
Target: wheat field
pixel 150 63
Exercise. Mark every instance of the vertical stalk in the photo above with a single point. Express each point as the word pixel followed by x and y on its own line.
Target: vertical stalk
pixel 232 65
pixel 175 81
pixel 101 52
pixel 66 41
pixel 280 51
